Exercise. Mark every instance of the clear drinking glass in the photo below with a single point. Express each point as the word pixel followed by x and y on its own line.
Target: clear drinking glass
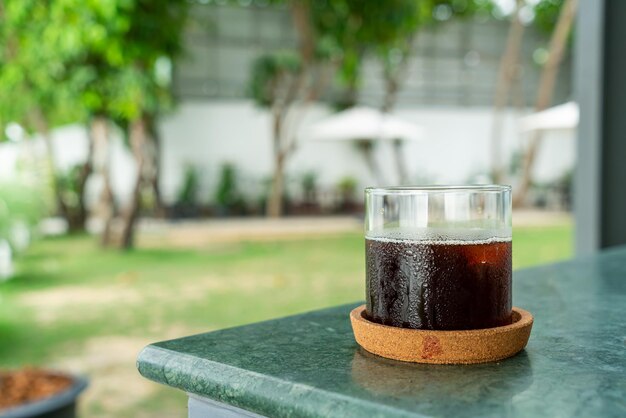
pixel 438 257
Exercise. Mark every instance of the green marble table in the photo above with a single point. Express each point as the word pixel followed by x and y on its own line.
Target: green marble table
pixel 310 366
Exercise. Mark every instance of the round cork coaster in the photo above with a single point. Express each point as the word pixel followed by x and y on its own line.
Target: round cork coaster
pixel 442 347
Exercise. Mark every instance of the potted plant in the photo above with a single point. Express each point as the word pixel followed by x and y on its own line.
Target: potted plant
pixel 36 393
pixel 27 392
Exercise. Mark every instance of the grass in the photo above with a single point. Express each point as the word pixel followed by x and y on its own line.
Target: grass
pixel 68 294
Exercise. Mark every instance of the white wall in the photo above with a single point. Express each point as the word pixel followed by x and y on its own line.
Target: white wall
pixel 207 134
pixel 455 148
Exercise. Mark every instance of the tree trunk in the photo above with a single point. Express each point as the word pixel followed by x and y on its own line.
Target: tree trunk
pixel 547 83
pixel 284 139
pixel 275 199
pixel 392 86
pixel 349 97
pixel 155 166
pixel 57 190
pixel 75 219
pixel 39 122
pixel 83 176
pixel 398 154
pixel 366 147
pixel 109 206
pixel 137 137
pixel 301 18
pixel 507 74
pixel 391 92
pixel 105 207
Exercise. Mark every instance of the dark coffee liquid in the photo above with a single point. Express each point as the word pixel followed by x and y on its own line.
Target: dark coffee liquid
pixel 438 285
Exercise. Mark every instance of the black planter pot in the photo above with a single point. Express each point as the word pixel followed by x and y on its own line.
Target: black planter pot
pixel 61 405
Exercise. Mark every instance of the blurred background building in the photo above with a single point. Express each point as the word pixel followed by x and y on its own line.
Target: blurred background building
pixel 448 90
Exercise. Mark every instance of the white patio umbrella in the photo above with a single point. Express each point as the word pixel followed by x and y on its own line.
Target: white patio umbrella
pixel 363 125
pixel 563 116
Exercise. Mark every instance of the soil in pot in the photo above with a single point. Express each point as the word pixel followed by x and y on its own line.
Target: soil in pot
pixel 18 387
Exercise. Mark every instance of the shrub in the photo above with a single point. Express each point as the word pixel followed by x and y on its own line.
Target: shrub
pixel 228 196
pixel 347 187
pixel 309 186
pixel 187 196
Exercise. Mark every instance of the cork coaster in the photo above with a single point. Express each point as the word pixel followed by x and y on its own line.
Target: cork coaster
pixel 442 347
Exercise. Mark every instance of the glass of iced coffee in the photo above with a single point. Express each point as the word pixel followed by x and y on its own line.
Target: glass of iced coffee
pixel 438 257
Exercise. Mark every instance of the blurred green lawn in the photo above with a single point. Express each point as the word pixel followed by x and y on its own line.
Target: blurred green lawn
pixel 68 292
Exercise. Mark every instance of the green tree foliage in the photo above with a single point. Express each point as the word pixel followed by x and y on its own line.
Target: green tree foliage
pixel 338 34
pixel 356 27
pixel 72 60
pixel 76 58
pixel 268 72
pixel 287 82
pixel 124 67
pixel 547 14
pixel 37 43
pixel 353 29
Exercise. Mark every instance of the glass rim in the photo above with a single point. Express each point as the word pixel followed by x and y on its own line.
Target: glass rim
pixel 479 188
